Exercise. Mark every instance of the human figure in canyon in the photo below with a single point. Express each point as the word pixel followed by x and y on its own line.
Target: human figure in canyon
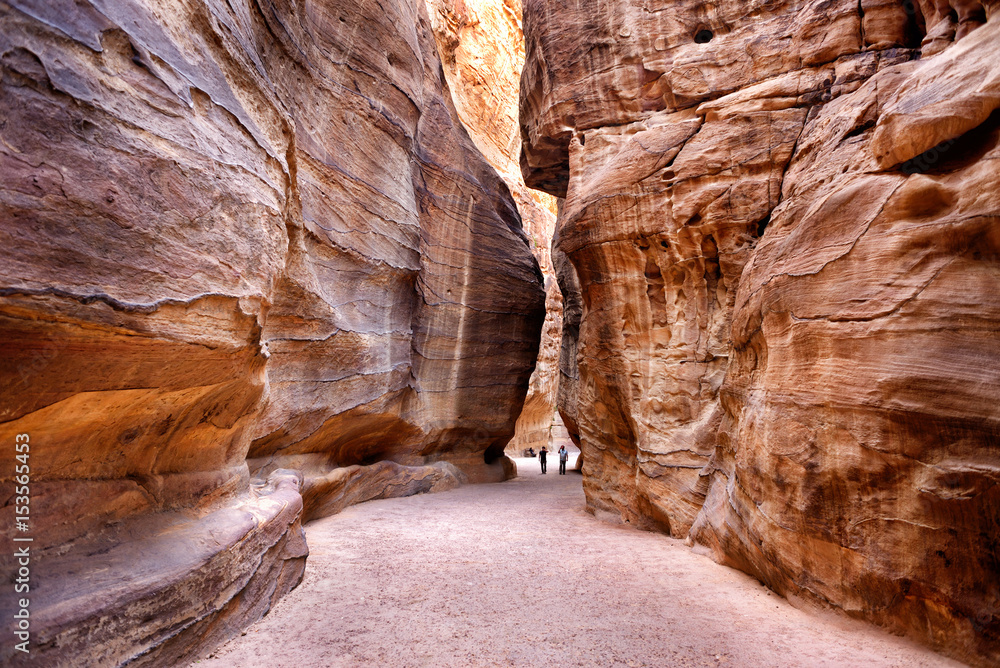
pixel 541 458
pixel 563 456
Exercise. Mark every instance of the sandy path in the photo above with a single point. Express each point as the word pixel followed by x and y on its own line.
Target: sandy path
pixel 517 574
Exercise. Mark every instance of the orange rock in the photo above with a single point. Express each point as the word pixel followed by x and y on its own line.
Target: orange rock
pixel 780 219
pixel 238 240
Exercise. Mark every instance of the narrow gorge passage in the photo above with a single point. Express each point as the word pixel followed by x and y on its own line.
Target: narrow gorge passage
pixel 518 574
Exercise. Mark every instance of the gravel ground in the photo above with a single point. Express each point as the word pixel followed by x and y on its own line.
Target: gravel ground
pixel 518 574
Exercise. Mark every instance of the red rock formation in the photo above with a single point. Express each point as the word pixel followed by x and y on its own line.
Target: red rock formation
pixel 569 373
pixel 482 49
pixel 237 235
pixel 783 223
pixel 862 441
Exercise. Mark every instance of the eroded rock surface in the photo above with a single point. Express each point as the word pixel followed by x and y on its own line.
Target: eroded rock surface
pixel 782 216
pixel 569 373
pixel 238 241
pixel 482 49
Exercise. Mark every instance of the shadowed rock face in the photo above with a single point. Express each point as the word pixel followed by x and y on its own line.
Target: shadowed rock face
pixel 783 220
pixel 482 49
pixel 240 243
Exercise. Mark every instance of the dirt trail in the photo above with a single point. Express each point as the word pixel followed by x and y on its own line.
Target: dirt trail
pixel 517 574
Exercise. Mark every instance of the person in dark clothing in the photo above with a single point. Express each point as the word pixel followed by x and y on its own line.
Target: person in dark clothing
pixel 563 456
pixel 541 458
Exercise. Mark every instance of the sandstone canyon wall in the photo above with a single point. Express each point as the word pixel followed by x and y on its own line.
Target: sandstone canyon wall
pixel 482 50
pixel 783 219
pixel 253 270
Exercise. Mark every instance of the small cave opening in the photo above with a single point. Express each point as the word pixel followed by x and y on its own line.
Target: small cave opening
pixel 703 36
pixel 136 56
pixel 915 29
pixel 493 453
pixel 861 128
pixel 762 225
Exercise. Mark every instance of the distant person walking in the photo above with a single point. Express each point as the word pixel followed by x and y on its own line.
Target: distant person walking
pixel 563 456
pixel 541 458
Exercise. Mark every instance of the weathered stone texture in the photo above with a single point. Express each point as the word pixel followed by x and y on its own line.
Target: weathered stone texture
pixel 482 50
pixel 238 232
pixel 783 219
pixel 569 372
pixel 862 440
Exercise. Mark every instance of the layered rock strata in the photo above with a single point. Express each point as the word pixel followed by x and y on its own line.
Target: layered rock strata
pixel 251 259
pixel 783 218
pixel 569 374
pixel 482 50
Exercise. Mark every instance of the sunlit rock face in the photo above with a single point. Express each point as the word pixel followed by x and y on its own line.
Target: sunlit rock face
pixel 482 51
pixel 251 260
pixel 782 216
